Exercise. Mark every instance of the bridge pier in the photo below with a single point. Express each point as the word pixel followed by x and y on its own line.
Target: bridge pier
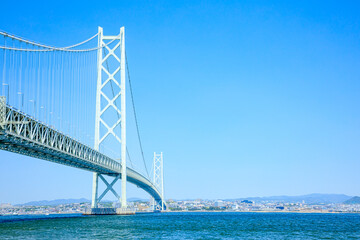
pixel 94 201
pixel 109 211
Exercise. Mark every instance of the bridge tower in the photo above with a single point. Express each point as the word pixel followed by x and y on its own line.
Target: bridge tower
pixel 113 76
pixel 158 179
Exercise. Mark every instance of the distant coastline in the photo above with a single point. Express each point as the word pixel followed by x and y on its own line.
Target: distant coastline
pixel 202 211
pixel 311 203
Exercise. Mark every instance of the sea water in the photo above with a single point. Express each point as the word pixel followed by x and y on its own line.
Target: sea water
pixel 223 225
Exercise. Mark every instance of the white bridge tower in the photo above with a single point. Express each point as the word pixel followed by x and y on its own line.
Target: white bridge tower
pixel 111 47
pixel 158 180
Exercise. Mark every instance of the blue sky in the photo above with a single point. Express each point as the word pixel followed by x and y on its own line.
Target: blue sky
pixel 245 98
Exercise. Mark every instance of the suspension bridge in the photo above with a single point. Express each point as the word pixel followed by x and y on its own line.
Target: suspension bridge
pixel 68 105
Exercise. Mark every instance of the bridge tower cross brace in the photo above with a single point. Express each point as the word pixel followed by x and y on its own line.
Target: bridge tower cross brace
pixel 119 44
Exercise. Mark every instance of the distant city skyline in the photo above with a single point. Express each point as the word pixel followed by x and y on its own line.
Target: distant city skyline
pixel 243 98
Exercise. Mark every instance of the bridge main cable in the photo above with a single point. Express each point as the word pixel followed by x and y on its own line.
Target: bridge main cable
pixel 50 48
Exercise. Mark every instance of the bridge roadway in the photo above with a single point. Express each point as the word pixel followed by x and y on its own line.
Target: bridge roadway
pixel 21 133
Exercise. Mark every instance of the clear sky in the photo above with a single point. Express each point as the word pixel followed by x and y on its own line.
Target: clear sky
pixel 245 98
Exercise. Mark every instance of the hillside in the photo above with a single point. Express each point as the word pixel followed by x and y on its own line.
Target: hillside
pixel 353 200
pixel 309 198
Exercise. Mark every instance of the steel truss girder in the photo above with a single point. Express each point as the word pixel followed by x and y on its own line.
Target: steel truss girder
pixel 32 138
pixel 22 134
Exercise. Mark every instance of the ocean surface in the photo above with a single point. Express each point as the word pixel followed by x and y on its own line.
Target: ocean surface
pixel 183 226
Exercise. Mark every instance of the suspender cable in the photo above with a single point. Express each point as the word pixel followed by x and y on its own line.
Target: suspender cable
pixel 4 71
pixel 26 88
pixel 39 86
pixel 20 93
pixel 51 69
pixel 71 119
pixel 78 98
pixel 81 106
pixel 53 81
pixel 13 76
pixel 33 79
pixel 61 91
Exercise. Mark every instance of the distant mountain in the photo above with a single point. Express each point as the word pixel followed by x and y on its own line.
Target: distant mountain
pixel 70 201
pixel 309 198
pixel 55 202
pixel 134 199
pixel 353 200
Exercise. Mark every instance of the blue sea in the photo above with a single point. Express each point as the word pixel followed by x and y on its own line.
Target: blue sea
pixel 183 226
